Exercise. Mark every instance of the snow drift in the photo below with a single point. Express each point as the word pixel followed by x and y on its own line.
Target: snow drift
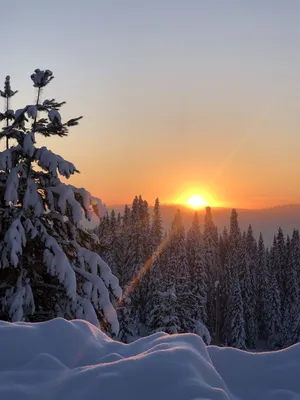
pixel 74 360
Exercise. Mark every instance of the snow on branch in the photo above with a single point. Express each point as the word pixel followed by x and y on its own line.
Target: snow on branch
pixel 96 266
pixel 85 310
pixel 30 229
pixel 28 144
pixel 52 162
pixel 97 293
pixel 41 78
pixel 43 220
pixel 11 195
pixel 92 206
pixel 19 298
pixel 12 246
pixel 58 265
pixel 5 159
pixel 65 197
pixel 32 198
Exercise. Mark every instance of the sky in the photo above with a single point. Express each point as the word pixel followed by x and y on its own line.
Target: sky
pixel 179 97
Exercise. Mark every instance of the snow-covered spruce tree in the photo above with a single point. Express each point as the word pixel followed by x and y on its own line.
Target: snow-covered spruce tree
pixel 144 273
pixel 196 262
pixel 178 268
pixel 136 276
pixel 280 263
pixel 156 232
pixel 234 323
pixel 163 315
pixel 155 273
pixel 108 231
pixel 171 311
pixel 122 248
pixel 212 263
pixel 291 308
pixel 273 315
pixel 248 287
pixel 221 288
pixel 46 269
pixel 261 291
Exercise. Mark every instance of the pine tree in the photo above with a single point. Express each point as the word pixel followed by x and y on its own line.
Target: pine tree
pixel 135 245
pixel 178 265
pixel 136 267
pixel 212 263
pixel 155 265
pixel 156 227
pixel 234 324
pixel 280 264
pixel 46 269
pixel 248 287
pixel 107 231
pixel 163 315
pixel 291 308
pixel 273 315
pixel 196 261
pixel 236 336
pixel 122 254
pixel 262 289
pixel 144 273
pixel 221 288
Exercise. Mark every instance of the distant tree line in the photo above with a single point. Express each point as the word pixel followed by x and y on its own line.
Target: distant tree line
pixel 244 293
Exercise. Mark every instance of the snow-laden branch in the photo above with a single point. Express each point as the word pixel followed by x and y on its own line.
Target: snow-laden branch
pixel 13 243
pixel 52 162
pixel 60 197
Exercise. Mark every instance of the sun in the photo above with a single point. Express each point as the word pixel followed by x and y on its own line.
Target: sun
pixel 196 201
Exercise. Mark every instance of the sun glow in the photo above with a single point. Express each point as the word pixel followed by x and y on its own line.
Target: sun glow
pixel 196 201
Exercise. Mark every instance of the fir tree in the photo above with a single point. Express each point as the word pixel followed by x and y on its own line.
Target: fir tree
pixel 221 288
pixel 248 287
pixel 291 308
pixel 179 271
pixel 273 316
pixel 156 227
pixel 122 252
pixel 155 275
pixel 46 269
pixel 196 261
pixel 280 263
pixel 262 289
pixel 212 263
pixel 234 324
pixel 163 314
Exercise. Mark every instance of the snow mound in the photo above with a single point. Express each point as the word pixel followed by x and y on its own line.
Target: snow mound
pixel 259 376
pixel 66 360
pixel 74 360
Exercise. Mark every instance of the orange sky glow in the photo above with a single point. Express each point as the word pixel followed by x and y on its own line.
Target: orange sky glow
pixel 179 98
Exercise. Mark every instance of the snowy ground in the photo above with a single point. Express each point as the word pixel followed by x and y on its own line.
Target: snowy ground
pixel 74 360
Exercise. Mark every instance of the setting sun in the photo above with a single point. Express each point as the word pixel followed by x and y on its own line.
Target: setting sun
pixel 196 201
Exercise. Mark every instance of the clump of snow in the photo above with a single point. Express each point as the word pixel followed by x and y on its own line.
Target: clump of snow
pixel 53 162
pixel 72 360
pixel 202 331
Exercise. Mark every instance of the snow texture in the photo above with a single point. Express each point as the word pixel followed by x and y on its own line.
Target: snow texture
pixel 52 162
pixel 66 360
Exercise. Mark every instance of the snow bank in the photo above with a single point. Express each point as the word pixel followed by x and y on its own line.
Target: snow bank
pixel 259 376
pixel 73 360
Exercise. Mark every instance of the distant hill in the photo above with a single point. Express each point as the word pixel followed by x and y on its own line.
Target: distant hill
pixel 266 220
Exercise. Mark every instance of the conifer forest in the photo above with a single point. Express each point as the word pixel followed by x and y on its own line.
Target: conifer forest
pixel 225 286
